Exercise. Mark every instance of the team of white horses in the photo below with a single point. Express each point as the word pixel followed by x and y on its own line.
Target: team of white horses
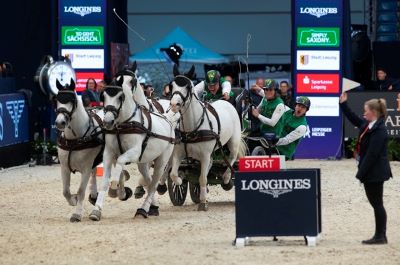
pixel 130 130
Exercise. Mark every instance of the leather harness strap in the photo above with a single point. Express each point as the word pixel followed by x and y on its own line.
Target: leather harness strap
pixel 84 142
pixel 134 127
pixel 157 105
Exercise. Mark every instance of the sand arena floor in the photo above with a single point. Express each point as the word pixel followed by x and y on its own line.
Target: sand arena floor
pixel 35 227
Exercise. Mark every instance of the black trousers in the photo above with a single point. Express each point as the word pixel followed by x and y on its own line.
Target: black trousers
pixel 374 191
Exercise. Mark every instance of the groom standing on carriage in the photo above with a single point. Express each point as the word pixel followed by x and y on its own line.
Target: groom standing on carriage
pixel 214 88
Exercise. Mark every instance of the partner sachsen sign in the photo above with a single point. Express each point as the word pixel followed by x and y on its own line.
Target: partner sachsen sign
pixel 77 35
pixel 323 37
pixel 317 83
pixel 318 60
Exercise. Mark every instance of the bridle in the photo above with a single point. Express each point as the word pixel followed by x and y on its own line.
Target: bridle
pixel 65 97
pixel 112 91
pixel 131 74
pixel 183 81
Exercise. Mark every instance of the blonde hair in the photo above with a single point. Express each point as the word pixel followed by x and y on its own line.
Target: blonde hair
pixel 379 106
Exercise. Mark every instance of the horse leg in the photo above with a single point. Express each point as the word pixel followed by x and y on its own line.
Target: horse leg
pixel 176 162
pixel 93 187
pixel 205 162
pixel 162 187
pixel 124 193
pixel 77 216
pixel 159 167
pixel 95 215
pixel 66 179
pixel 233 146
pixel 143 181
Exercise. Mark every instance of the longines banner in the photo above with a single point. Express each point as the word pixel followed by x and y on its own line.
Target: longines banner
pixel 14 127
pixel 356 103
pixel 82 12
pixel 317 59
pixel 280 203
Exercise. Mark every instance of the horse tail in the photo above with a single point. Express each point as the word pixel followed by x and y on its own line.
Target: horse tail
pixel 243 148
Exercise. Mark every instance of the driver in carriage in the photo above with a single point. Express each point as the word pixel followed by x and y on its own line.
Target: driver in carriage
pixel 294 128
pixel 270 110
pixel 214 88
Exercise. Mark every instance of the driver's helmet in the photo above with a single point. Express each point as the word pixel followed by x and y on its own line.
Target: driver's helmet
pixel 303 100
pixel 270 84
pixel 213 77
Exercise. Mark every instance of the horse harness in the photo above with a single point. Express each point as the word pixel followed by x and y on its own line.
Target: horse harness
pixel 87 141
pixel 134 127
pixel 153 102
pixel 197 136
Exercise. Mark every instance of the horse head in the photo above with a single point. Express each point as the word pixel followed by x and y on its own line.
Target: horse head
pixel 129 74
pixel 115 97
pixel 182 86
pixel 66 103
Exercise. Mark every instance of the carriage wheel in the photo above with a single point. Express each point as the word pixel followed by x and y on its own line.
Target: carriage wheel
pixel 258 151
pixel 194 190
pixel 177 193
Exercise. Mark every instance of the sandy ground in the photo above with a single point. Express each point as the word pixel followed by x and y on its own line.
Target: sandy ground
pixel 35 227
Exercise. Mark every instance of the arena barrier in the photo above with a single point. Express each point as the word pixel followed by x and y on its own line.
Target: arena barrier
pixel 356 101
pixel 276 202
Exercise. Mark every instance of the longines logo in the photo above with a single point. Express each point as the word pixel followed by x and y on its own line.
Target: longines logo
pixel 275 187
pixel 318 11
pixel 15 109
pixel 82 10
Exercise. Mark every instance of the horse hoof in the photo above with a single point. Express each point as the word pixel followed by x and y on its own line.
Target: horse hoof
pixel 74 200
pixel 95 215
pixel 112 193
pixel 162 189
pixel 126 174
pixel 153 211
pixel 141 213
pixel 128 194
pixel 203 206
pixel 139 192
pixel 93 200
pixel 227 186
pixel 75 218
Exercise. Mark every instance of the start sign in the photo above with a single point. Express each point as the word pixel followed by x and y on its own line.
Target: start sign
pixel 260 163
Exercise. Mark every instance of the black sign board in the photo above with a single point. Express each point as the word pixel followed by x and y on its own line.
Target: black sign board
pixel 284 203
pixel 356 102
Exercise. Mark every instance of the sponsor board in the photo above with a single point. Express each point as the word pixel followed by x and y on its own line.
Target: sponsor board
pixel 322 37
pixel 318 12
pixel 85 58
pixel 324 107
pixel 317 131
pixel 317 83
pixel 84 12
pixel 82 77
pixel 13 119
pixel 82 35
pixel 283 195
pixel 356 103
pixel 317 60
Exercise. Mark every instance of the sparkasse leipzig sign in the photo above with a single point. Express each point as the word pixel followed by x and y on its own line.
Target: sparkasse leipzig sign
pixel 317 83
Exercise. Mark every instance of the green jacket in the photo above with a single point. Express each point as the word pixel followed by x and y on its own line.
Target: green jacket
pixel 267 110
pixel 209 96
pixel 291 122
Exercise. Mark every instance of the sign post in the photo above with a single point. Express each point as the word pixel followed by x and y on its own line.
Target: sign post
pixel 317 41
pixel 273 202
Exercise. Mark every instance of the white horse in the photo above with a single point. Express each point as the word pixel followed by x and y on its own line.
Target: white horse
pixel 80 146
pixel 129 75
pixel 203 132
pixel 133 135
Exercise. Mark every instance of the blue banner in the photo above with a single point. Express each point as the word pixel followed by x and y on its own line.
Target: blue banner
pixel 14 123
pixel 317 61
pixel 82 12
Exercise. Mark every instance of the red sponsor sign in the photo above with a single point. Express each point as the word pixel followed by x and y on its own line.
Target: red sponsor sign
pixel 318 83
pixel 81 79
pixel 259 163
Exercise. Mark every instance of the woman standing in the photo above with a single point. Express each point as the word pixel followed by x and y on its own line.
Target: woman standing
pixel 90 98
pixel 373 163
